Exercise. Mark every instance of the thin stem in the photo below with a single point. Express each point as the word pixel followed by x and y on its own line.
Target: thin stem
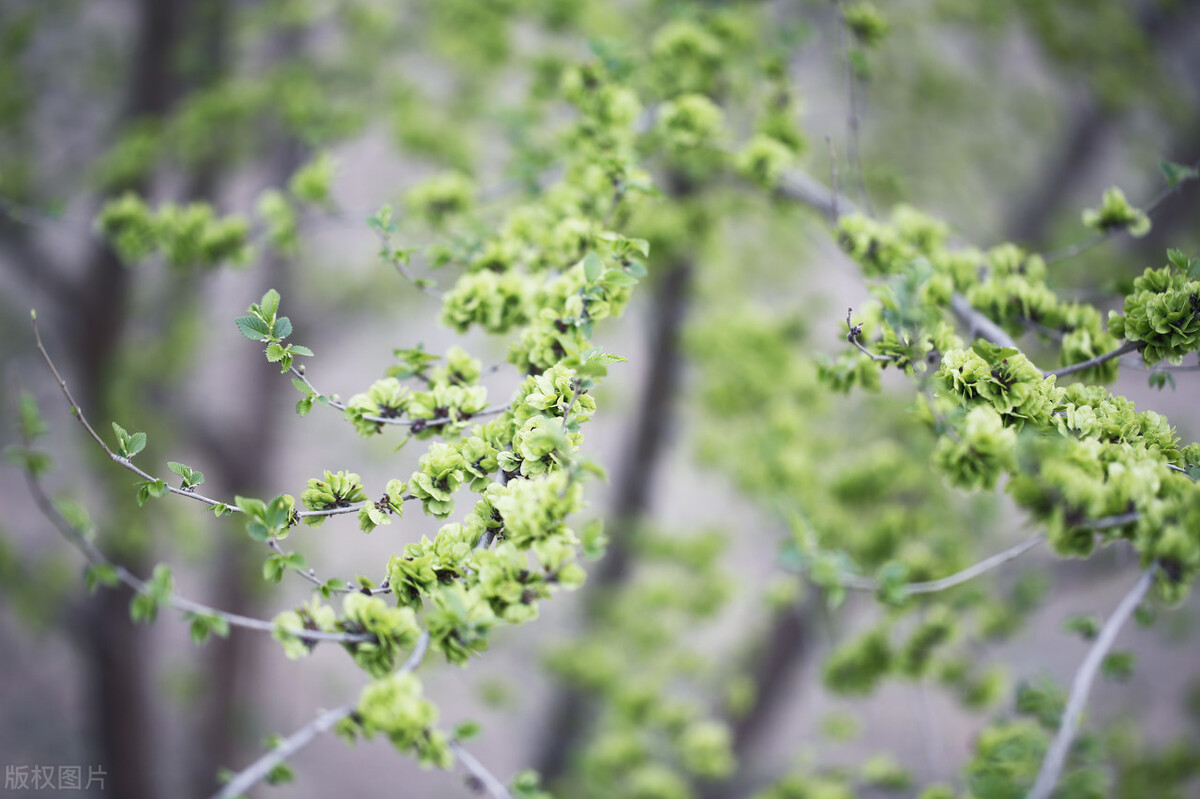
pixel 486 779
pixel 1127 347
pixel 578 384
pixel 834 216
pixel 259 769
pixel 301 738
pixel 853 134
pixel 402 268
pixel 77 412
pixel 421 423
pixel 95 556
pixel 978 323
pixel 1056 756
pixel 856 583
pixel 1108 522
pixel 1081 247
pixel 852 335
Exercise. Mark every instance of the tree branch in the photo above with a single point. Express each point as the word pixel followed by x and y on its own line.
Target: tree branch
pixel 1056 756
pixel 1083 246
pixel 1124 349
pixel 259 769
pixel 856 583
pixel 421 423
pixel 478 771
pixel 301 738
pixel 93 554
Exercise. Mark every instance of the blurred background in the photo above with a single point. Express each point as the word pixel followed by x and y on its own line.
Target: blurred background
pixel 1004 118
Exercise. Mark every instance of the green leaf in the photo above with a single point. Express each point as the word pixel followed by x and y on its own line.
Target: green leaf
pixel 592 267
pixel 1118 666
pixel 74 514
pixel 100 574
pixel 137 443
pixel 595 542
pixel 148 489
pixel 275 352
pixel 274 567
pixel 282 327
pixel 220 509
pixel 204 625
pixel 1177 173
pixel 332 586
pixel 302 387
pixel 253 328
pixel 143 609
pixel 466 730
pixel 280 774
pixel 270 303
pixel 304 406
pixel 30 419
pixel 296 349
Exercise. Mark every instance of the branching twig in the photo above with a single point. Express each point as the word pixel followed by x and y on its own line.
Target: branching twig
pixel 856 583
pixel 978 323
pixel 302 737
pixel 1127 347
pixel 1056 756
pixel 421 423
pixel 852 335
pixel 478 771
pixel 853 134
pixel 1081 247
pixel 402 268
pixel 98 558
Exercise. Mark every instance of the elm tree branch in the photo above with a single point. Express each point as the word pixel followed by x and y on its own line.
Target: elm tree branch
pixel 422 423
pixel 97 558
pixel 1124 349
pixel 856 583
pixel 1081 247
pixel 493 786
pixel 77 412
pixel 1056 756
pixel 259 769
pixel 389 254
pixel 801 187
pixel 853 336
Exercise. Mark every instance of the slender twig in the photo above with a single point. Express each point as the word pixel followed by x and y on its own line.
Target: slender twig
pixel 1109 522
pixel 852 335
pixel 96 557
pixel 578 386
pixel 853 133
pixel 486 779
pixel 421 423
pixel 390 255
pixel 856 583
pixel 1056 756
pixel 302 737
pixel 190 493
pixel 1127 347
pixel 834 216
pixel 1081 247
pixel 978 323
pixel 78 413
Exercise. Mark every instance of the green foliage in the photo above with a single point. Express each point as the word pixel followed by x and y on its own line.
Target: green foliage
pixel 264 324
pixel 1115 213
pixel 186 236
pixel 698 99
